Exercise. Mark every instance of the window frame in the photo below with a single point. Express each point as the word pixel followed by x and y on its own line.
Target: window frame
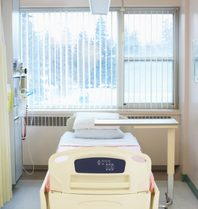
pixel 121 58
pixel 175 60
pixel 73 106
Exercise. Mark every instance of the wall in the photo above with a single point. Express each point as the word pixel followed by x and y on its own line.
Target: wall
pixel 183 81
pixel 193 98
pixel 43 139
pixel 188 90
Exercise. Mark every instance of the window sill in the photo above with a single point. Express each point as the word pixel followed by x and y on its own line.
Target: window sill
pixel 128 112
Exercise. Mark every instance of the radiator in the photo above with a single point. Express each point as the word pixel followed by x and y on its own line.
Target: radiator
pixel 62 121
pixel 46 131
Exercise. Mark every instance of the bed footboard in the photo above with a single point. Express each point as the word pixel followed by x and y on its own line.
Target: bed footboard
pixel 74 201
pixel 99 177
pixel 99 170
pixel 57 199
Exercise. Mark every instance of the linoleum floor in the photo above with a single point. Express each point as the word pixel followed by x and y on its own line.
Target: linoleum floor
pixel 26 192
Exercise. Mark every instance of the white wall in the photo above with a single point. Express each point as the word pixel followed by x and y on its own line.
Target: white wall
pixel 184 81
pixel 43 140
pixel 188 90
pixel 193 98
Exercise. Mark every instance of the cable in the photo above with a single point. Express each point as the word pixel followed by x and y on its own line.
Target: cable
pixel 24 137
pixel 28 140
pixel 30 127
pixel 25 124
pixel 29 150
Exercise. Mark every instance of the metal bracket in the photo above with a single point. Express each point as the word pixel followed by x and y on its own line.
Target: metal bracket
pixel 169 194
pixel 169 202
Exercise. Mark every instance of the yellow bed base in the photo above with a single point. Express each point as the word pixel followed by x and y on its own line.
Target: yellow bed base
pixel 72 190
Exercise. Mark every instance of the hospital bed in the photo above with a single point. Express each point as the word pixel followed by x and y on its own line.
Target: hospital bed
pixel 98 178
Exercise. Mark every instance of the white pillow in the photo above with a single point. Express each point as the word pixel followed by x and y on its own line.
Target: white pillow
pixel 99 134
pixel 85 120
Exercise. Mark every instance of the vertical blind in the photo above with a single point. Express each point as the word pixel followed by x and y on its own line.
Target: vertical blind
pixel 71 58
pixel 149 58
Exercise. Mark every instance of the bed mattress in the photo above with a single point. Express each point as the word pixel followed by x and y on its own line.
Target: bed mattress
pixel 68 139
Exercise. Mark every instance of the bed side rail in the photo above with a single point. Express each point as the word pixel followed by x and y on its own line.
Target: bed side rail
pixel 66 179
pixel 43 194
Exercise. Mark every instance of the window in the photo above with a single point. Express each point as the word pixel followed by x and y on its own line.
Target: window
pixel 149 59
pixel 73 58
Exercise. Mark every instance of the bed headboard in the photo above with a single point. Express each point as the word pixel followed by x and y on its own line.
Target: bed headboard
pixel 70 123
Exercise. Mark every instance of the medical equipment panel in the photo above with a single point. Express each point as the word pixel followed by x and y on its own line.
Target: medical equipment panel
pixel 16 87
pixel 18 151
pixel 99 165
pixel 15 111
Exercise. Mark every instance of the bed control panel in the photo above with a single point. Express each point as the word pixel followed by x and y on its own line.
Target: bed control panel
pixel 99 165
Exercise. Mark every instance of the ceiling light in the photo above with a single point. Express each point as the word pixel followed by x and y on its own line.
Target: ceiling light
pixel 99 7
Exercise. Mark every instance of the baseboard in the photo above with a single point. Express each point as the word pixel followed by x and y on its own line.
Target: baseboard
pixel 45 167
pixel 192 187
pixel 36 167
pixel 13 186
pixel 183 178
pixel 161 167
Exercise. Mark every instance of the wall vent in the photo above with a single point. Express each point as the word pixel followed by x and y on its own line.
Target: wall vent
pixel 47 121
pixel 62 121
pixel 148 117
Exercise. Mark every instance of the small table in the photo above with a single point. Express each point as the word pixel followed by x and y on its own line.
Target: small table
pixel 171 124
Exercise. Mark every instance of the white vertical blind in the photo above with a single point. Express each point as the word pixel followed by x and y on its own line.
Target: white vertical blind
pixel 149 58
pixel 71 57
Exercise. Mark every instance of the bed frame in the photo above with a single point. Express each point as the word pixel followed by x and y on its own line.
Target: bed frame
pixel 77 190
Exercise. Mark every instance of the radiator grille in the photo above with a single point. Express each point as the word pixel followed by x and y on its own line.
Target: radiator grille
pixel 62 121
pixel 148 117
pixel 47 121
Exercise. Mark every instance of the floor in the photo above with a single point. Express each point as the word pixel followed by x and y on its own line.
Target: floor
pixel 26 192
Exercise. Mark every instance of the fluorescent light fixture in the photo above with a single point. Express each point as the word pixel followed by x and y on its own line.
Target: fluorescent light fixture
pixel 99 7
